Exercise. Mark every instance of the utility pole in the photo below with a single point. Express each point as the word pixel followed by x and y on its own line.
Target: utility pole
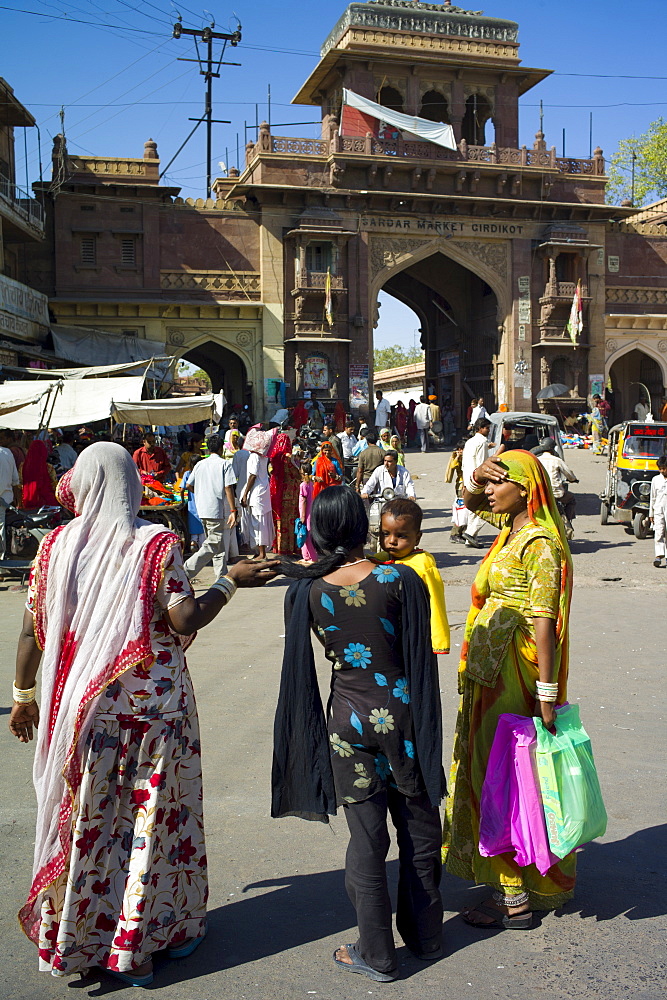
pixel 207 35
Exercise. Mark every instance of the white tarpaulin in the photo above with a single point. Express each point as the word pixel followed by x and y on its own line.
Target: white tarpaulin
pixel 166 412
pixel 94 347
pixel 77 401
pixel 17 400
pixel 405 395
pixel 437 132
pixel 92 371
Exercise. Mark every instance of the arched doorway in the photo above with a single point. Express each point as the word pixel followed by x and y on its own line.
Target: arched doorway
pixel 633 375
pixel 225 369
pixel 460 335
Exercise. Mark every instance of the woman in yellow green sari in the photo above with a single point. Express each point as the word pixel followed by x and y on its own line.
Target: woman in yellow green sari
pixel 516 636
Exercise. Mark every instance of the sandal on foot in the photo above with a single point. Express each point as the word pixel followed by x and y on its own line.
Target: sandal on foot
pixel 358 965
pixel 185 949
pixel 521 922
pixel 129 978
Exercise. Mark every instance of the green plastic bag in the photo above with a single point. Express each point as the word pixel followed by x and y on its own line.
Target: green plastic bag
pixel 571 796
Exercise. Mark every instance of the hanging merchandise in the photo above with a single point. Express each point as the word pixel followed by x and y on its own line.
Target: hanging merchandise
pixel 569 786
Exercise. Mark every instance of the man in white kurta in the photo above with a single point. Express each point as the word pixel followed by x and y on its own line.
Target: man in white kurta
pixel 475 451
pixel 658 510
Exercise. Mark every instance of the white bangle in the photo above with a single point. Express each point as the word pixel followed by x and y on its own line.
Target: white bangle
pixel 226 586
pixel 24 696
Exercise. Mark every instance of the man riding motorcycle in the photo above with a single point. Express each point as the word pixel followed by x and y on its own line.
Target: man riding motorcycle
pixel 560 475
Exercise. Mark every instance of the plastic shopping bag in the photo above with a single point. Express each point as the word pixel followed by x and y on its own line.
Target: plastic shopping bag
pixel 571 796
pixel 511 814
pixel 301 532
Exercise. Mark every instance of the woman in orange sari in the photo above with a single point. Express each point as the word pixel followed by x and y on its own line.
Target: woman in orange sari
pixel 327 469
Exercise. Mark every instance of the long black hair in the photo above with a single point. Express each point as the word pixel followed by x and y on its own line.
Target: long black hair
pixel 338 525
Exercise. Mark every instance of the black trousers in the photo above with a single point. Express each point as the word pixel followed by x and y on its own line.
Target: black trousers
pixel 419 906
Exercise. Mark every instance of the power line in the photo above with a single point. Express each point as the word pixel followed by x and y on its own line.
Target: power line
pixel 77 20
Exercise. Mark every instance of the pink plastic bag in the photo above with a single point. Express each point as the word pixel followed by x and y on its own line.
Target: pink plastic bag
pixel 511 813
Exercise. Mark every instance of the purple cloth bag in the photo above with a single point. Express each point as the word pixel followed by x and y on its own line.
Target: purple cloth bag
pixel 511 813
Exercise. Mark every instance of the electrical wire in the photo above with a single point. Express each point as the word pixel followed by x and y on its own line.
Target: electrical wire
pixel 76 20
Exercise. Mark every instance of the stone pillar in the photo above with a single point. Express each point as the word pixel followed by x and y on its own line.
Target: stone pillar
pixel 458 109
pixel 506 117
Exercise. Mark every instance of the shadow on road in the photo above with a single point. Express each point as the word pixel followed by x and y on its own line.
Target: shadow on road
pixel 624 877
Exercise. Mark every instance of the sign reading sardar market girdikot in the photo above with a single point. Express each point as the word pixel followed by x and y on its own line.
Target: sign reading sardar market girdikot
pixel 425 224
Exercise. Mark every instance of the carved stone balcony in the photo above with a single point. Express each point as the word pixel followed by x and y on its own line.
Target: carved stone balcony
pixel 315 281
pixel 563 290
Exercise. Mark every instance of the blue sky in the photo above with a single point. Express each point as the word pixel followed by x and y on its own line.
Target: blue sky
pixel 122 84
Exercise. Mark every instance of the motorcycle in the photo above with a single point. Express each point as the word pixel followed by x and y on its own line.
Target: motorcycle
pixel 375 517
pixel 24 530
pixel 567 523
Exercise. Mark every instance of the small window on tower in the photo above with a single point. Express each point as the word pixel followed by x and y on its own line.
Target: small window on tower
pixel 87 208
pixel 127 208
pixel 128 253
pixel 88 250
pixel 318 257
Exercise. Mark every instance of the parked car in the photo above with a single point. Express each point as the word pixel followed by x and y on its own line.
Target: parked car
pixel 512 428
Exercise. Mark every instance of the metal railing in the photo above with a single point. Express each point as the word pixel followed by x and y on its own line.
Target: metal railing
pixel 28 208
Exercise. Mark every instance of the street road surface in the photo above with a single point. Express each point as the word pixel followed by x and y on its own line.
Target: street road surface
pixel 278 907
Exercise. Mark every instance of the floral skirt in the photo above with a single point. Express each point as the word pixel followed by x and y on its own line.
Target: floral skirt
pixel 137 879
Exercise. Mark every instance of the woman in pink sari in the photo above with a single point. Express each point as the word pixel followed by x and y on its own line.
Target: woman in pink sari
pixel 120 860
pixel 401 420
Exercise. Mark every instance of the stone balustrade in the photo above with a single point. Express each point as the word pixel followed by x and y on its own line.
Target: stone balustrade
pixel 223 284
pixel 318 280
pixel 537 156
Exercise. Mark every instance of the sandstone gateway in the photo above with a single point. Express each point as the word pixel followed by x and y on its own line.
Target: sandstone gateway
pixel 485 242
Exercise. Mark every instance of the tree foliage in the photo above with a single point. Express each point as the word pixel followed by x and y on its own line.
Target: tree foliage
pixel 650 149
pixel 396 357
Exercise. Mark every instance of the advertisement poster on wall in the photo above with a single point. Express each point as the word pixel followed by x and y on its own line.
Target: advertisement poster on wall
pixel 595 385
pixel 316 372
pixel 449 362
pixel 358 386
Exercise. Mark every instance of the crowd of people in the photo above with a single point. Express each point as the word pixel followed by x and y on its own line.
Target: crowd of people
pixel 111 611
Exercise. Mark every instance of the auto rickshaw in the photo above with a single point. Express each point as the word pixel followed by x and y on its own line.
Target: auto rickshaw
pixel 634 449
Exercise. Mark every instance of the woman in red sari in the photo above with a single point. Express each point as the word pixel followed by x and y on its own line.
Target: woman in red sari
pixel 339 416
pixel 327 471
pixel 412 423
pixel 401 420
pixel 284 485
pixel 299 416
pixel 38 484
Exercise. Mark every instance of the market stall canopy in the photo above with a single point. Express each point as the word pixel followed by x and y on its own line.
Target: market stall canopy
pixel 93 371
pixel 437 132
pixel 167 412
pixel 18 400
pixel 70 403
pixel 94 347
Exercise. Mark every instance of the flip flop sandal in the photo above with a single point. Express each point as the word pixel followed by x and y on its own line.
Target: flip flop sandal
pixel 129 978
pixel 358 965
pixel 183 950
pixel 522 922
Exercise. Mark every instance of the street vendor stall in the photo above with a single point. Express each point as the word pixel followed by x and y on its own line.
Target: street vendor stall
pixel 162 503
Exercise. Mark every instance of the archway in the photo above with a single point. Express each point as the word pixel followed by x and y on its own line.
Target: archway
pixel 459 312
pixel 477 113
pixel 398 359
pixel 630 372
pixel 225 369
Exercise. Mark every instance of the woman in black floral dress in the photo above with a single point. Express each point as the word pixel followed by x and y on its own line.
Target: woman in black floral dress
pixel 379 750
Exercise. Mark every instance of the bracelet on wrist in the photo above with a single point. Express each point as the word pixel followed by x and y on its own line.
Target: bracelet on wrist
pixel 24 696
pixel 474 486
